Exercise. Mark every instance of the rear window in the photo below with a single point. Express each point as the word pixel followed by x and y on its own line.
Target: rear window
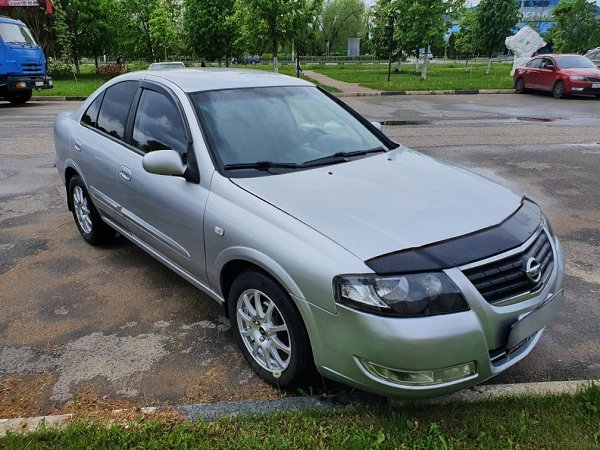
pixel 90 117
pixel 115 108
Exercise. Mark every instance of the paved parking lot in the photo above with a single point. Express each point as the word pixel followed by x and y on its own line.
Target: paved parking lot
pixel 114 321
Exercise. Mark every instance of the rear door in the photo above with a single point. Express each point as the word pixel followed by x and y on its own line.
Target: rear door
pixel 531 73
pixel 98 144
pixel 164 212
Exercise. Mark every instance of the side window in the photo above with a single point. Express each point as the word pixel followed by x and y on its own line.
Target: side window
pixel 90 117
pixel 546 61
pixel 158 124
pixel 115 108
pixel 535 63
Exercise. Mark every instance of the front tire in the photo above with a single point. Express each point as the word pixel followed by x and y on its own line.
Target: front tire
pixel 19 98
pixel 269 331
pixel 88 221
pixel 520 86
pixel 558 90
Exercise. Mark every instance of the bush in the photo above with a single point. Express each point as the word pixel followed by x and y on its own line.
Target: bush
pixel 108 71
pixel 60 70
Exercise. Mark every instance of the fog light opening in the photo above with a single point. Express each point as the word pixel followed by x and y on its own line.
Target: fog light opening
pixel 421 377
pixel 21 85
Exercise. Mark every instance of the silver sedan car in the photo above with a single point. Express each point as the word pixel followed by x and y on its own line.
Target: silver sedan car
pixel 332 249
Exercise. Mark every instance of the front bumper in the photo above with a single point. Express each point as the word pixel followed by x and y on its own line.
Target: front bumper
pixel 583 88
pixel 342 341
pixel 17 83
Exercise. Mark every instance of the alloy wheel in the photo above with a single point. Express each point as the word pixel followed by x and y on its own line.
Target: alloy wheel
pixel 82 210
pixel 264 331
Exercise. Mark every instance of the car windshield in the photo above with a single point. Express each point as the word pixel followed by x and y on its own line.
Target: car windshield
pixel 574 62
pixel 291 126
pixel 16 34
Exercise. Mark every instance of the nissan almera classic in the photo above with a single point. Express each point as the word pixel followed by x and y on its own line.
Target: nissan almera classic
pixel 332 249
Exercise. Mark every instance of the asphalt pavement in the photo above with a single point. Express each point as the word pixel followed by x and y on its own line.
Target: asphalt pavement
pixel 115 322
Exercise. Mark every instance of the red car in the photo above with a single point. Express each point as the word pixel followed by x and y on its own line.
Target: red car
pixel 562 75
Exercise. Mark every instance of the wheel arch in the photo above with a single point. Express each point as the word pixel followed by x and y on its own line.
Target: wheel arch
pixel 70 172
pixel 234 261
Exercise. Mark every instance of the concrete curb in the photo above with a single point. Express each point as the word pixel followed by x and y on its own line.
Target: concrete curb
pixel 214 411
pixel 338 94
pixel 57 99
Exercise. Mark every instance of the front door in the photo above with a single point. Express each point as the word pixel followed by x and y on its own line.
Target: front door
pixel 164 212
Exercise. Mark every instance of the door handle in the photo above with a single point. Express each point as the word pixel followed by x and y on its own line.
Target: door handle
pixel 125 173
pixel 77 145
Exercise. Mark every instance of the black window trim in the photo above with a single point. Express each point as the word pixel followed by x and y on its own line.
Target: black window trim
pixel 160 89
pixel 102 133
pixel 193 173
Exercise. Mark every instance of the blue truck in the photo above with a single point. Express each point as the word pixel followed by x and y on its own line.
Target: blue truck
pixel 22 63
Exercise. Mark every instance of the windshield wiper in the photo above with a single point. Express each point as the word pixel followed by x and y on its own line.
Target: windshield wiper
pixel 261 165
pixel 341 157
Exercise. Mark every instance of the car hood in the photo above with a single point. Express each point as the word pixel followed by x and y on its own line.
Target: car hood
pixel 388 202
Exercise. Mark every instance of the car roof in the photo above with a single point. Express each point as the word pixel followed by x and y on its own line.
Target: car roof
pixel 555 55
pixel 210 79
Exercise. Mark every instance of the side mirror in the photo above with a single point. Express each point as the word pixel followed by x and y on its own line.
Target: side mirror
pixel 377 125
pixel 164 162
pixel 550 66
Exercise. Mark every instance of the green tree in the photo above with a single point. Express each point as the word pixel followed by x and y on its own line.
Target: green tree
pixel 383 37
pixel 421 23
pixel 496 20
pixel 135 36
pixel 273 22
pixel 84 28
pixel 163 29
pixel 576 28
pixel 339 20
pixel 210 29
pixel 466 40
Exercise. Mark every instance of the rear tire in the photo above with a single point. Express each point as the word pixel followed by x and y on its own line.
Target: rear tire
pixel 270 332
pixel 558 90
pixel 19 98
pixel 91 227
pixel 520 86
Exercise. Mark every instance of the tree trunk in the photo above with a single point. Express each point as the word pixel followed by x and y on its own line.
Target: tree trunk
pixel 275 53
pixel 226 60
pixel 424 69
pixel 76 62
pixel 96 61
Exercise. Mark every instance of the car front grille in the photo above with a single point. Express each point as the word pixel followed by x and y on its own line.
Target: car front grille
pixel 505 278
pixel 593 79
pixel 31 68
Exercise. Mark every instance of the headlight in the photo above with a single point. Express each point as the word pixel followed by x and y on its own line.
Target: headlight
pixel 577 78
pixel 422 294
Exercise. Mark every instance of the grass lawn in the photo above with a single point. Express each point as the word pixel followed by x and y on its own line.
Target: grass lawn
pixel 552 422
pixel 87 81
pixel 439 76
